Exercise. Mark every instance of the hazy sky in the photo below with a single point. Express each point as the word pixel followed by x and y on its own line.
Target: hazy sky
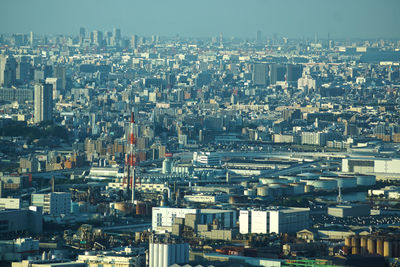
pixel 242 18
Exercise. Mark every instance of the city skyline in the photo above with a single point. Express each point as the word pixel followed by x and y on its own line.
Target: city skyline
pixel 289 18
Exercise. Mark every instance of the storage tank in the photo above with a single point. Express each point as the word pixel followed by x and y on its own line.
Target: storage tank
pixel 151 254
pixel 322 184
pixel 379 246
pixel 355 241
pixel 355 250
pixel 291 179
pixel 387 248
pixel 298 188
pixel 276 185
pixel 365 180
pixel 273 181
pixel 308 176
pixel 262 191
pixel 371 246
pixel 124 207
pixel 347 241
pixel 249 192
pixel 363 245
pixel 346 182
pixel 308 188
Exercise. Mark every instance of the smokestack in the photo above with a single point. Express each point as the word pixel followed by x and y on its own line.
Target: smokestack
pixel 53 184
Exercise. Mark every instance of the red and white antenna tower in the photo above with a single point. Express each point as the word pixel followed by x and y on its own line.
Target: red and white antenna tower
pixel 131 184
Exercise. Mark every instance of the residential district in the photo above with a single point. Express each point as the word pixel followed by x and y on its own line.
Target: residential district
pixel 172 151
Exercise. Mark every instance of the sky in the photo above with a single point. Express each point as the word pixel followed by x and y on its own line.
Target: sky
pixel 206 18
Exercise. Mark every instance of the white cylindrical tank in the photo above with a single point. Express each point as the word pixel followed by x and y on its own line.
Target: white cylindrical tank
pixel 308 176
pixel 323 184
pixel 365 180
pixel 291 179
pixel 166 255
pixel 342 181
pixel 160 255
pixel 151 255
pixel 273 181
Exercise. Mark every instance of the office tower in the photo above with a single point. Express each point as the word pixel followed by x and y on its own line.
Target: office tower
pixel 82 32
pixel 277 73
pixel 98 38
pixel 60 74
pixel 293 72
pixel 31 39
pixel 8 71
pixel 117 34
pixel 23 70
pixel 221 40
pixel 259 37
pixel 134 41
pixel 259 74
pixel 43 102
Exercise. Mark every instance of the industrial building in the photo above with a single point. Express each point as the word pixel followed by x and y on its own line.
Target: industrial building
pixel 163 218
pixel 12 221
pixel 54 203
pixel 350 210
pixel 383 168
pixel 274 220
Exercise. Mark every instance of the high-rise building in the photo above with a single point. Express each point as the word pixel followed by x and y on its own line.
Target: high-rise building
pixel 60 74
pixel 8 70
pixel 117 34
pixel 259 74
pixel 259 37
pixel 277 73
pixel 82 32
pixel 134 41
pixel 293 72
pixel 31 39
pixel 43 102
pixel 97 38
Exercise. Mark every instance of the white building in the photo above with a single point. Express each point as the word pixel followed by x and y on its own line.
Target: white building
pixel 164 217
pixel 53 203
pixel 200 198
pixel 274 220
pixel 206 158
pixel 10 203
pixel 165 255
pixel 381 167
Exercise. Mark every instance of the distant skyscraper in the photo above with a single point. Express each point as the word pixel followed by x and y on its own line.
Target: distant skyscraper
pixel 31 39
pixel 134 41
pixel 98 38
pixel 259 37
pixel 117 34
pixel 8 70
pixel 82 32
pixel 259 74
pixel 60 74
pixel 221 40
pixel 43 102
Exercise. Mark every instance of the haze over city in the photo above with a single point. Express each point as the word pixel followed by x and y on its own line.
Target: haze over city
pixel 190 18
